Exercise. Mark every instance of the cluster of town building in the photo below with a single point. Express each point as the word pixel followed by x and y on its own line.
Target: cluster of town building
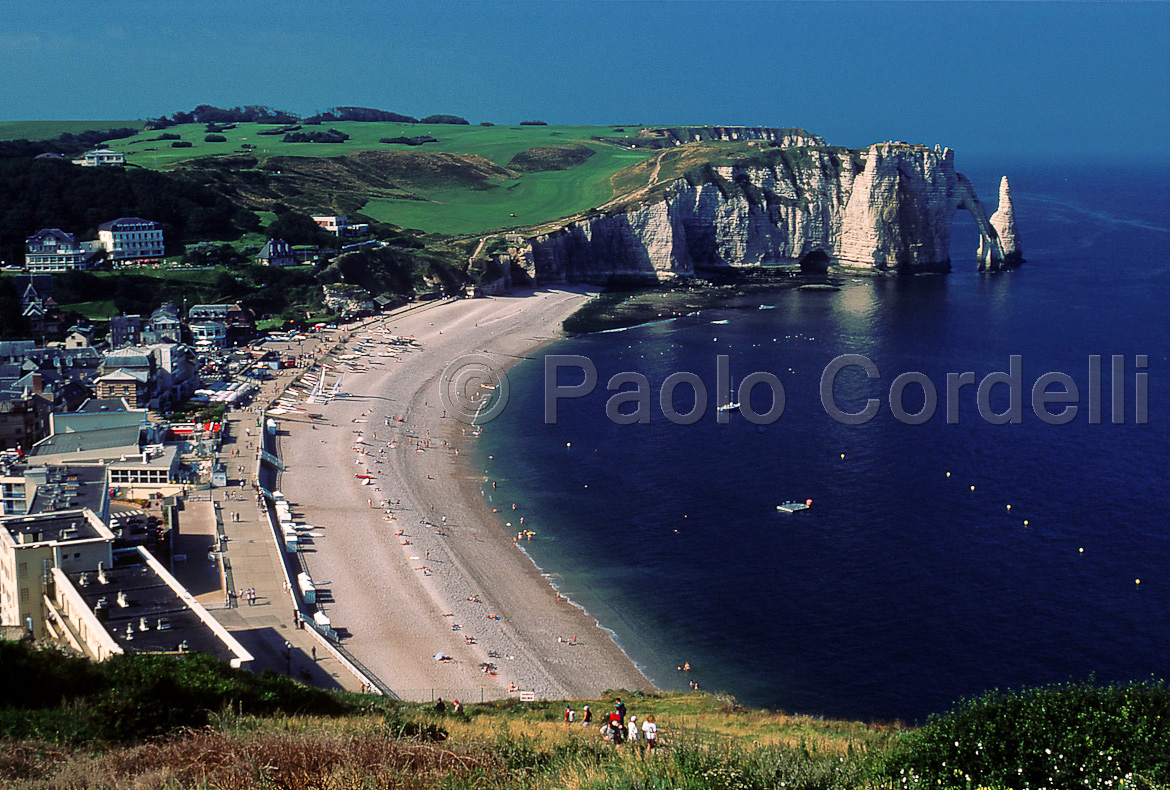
pixel 85 432
pixel 84 426
pixel 127 239
pixel 152 363
pixel 135 240
pixel 80 572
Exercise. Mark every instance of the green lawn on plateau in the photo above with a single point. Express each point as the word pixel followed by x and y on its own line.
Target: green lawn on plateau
pixel 532 197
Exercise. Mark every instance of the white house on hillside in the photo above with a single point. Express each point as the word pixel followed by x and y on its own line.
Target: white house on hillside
pixel 339 225
pixel 101 157
pixel 131 239
pixel 54 250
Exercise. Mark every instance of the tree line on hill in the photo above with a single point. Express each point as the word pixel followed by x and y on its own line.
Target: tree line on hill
pixel 255 113
pixel 52 194
pixel 206 113
pixel 66 144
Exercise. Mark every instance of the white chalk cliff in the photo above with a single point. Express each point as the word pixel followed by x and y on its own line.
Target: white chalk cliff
pixel 887 208
pixel 1004 223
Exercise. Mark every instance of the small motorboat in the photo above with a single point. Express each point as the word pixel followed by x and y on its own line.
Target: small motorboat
pixel 793 507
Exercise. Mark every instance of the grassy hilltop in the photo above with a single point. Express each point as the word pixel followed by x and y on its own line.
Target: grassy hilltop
pixel 431 191
pixel 190 721
pixel 471 179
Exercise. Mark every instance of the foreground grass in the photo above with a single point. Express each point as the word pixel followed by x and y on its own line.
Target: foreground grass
pixel 490 746
pixel 1080 736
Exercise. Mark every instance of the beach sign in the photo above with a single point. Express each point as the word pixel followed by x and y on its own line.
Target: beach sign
pixel 528 696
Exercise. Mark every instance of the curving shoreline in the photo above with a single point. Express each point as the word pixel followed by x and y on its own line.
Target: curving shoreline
pixel 452 583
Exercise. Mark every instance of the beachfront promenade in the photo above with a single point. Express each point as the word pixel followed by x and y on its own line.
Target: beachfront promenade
pixel 266 622
pixel 265 625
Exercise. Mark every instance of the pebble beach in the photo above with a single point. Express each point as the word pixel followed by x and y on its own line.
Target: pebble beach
pixel 423 582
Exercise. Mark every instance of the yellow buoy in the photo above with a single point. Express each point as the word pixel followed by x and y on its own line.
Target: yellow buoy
pixel 1009 507
pixel 1081 550
pixel 568 444
pixel 842 455
pixel 1025 522
pixel 972 488
pixel 948 474
pixel 1137 581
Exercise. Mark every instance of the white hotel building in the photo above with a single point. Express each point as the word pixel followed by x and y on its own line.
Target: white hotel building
pixel 131 239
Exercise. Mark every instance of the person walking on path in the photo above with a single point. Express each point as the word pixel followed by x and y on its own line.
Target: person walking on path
pixel 586 717
pixel 634 731
pixel 620 707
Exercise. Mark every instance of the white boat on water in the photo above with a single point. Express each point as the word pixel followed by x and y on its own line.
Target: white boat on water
pixel 793 507
pixel 733 406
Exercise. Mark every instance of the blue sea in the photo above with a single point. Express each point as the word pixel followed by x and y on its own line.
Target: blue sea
pixel 902 589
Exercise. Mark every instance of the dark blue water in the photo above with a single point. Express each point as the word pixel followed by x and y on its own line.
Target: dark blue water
pixel 901 590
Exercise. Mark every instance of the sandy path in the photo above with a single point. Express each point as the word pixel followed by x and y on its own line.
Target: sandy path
pixel 394 615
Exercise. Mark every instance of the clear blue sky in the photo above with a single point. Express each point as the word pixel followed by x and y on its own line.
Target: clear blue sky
pixel 981 77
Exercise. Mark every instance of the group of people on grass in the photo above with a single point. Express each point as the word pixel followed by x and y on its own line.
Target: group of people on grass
pixel 617 729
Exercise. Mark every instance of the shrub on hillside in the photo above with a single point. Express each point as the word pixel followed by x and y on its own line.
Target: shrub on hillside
pixel 169 136
pixel 419 140
pixel 534 123
pixel 330 136
pixel 362 114
pixel 441 118
pixel 214 138
pixel 1074 735
pixel 181 144
pixel 132 697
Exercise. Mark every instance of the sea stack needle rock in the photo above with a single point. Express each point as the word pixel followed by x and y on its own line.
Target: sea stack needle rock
pixel 887 208
pixel 1004 223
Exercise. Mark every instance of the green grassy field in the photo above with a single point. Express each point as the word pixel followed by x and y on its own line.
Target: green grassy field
pixel 44 130
pixel 532 197
pixel 94 310
pixel 497 143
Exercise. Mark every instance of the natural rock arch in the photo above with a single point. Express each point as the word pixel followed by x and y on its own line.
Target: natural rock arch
pixel 990 252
